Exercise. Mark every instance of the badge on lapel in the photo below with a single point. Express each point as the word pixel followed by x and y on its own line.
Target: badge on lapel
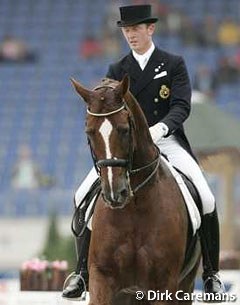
pixel 164 92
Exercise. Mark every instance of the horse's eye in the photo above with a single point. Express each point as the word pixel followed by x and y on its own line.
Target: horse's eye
pixel 90 131
pixel 123 130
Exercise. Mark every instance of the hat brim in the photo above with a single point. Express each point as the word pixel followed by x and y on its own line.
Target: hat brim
pixel 137 21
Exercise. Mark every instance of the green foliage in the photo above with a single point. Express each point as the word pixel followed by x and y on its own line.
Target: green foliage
pixel 58 247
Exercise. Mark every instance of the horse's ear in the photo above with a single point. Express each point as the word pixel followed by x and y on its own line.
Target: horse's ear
pixel 124 85
pixel 83 92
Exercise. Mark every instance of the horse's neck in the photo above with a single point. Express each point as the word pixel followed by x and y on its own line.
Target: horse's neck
pixel 145 149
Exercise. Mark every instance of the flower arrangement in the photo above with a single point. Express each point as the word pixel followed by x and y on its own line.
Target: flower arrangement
pixel 42 275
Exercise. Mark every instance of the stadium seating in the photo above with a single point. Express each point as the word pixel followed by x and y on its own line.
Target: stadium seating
pixel 38 104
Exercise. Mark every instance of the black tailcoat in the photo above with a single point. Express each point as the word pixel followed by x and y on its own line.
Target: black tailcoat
pixel 162 89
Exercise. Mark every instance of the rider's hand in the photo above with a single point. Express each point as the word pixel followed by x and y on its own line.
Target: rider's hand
pixel 158 131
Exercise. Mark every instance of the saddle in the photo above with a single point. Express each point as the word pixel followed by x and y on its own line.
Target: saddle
pixel 193 191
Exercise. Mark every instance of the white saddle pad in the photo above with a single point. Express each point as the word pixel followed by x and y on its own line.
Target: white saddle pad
pixel 191 206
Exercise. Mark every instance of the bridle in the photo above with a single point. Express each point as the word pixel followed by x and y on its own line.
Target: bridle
pixel 125 163
pixel 106 113
pixel 115 162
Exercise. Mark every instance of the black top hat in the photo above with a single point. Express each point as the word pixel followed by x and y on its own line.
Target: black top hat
pixel 135 14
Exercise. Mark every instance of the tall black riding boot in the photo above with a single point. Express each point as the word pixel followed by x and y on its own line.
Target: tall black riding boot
pixel 79 283
pixel 209 234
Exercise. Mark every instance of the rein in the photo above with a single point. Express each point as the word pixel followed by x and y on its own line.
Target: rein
pixel 139 186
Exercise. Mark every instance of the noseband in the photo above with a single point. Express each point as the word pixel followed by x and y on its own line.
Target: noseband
pixel 125 163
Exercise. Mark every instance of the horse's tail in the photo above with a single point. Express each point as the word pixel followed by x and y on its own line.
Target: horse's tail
pixel 130 296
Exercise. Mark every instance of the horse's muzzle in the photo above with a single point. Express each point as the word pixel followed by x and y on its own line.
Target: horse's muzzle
pixel 118 199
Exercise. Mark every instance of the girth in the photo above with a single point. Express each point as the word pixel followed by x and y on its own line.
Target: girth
pixel 192 247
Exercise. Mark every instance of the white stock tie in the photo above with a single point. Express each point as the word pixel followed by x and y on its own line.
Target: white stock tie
pixel 143 63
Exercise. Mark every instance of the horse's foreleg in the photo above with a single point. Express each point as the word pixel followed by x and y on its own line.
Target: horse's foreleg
pixel 101 288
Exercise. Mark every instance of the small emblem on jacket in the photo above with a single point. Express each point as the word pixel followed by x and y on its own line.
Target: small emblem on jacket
pixel 164 92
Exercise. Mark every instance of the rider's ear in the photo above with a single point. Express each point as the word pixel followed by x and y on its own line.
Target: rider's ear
pixel 83 92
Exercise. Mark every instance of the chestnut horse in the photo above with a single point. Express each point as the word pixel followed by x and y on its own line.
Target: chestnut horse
pixel 140 224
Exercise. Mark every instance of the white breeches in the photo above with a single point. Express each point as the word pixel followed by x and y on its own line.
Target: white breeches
pixel 85 185
pixel 179 158
pixel 182 160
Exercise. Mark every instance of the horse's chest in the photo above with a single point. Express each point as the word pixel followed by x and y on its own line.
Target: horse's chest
pixel 130 250
pixel 132 257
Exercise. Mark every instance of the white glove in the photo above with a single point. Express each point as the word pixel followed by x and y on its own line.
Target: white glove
pixel 158 131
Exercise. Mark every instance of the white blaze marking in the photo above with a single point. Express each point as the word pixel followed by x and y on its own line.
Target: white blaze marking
pixel 106 130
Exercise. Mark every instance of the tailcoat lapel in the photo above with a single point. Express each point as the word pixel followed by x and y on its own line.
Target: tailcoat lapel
pixel 142 78
pixel 132 68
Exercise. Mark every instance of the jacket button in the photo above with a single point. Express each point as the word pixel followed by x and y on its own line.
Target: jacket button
pixel 155 112
pixel 156 100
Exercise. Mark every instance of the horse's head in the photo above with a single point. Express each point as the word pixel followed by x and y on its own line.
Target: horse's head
pixel 109 127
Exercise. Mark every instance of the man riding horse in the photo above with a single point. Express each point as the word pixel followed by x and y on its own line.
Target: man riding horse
pixel 160 83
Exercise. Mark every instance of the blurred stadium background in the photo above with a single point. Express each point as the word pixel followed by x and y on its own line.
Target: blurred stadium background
pixel 78 38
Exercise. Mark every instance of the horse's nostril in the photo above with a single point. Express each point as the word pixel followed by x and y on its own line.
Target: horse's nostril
pixel 124 192
pixel 104 197
pixel 117 198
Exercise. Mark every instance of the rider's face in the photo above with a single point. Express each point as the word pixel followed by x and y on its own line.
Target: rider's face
pixel 139 37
